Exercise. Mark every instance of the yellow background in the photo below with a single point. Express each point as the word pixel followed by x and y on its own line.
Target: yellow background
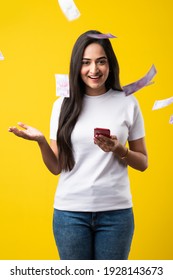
pixel 36 40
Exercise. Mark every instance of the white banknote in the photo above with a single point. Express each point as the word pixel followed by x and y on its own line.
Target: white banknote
pixel 69 9
pixel 158 104
pixel 171 119
pixel 101 36
pixel 1 56
pixel 145 81
pixel 62 85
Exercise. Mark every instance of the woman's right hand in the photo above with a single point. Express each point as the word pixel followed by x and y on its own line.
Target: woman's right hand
pixel 27 132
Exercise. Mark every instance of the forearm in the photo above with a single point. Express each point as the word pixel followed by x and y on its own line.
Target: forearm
pixel 134 159
pixel 49 157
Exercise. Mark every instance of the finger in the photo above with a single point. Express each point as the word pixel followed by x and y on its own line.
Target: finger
pixel 102 139
pixel 16 131
pixel 10 129
pixel 97 139
pixel 113 137
pixel 23 125
pixel 106 141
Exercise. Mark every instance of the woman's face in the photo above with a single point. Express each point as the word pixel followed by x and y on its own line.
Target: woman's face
pixel 95 69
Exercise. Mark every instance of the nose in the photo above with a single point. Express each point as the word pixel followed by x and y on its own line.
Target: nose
pixel 93 68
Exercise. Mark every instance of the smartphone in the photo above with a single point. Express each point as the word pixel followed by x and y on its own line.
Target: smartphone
pixel 102 131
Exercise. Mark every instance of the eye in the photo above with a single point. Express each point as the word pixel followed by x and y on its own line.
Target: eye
pixel 85 62
pixel 102 62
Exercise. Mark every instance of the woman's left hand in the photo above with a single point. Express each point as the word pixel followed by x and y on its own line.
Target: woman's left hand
pixel 105 143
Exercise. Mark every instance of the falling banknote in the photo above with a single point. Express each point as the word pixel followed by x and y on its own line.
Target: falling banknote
pixel 69 9
pixel 1 56
pixel 158 104
pixel 146 80
pixel 101 36
pixel 171 119
pixel 62 85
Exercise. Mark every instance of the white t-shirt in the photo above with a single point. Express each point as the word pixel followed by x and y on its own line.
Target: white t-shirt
pixel 99 180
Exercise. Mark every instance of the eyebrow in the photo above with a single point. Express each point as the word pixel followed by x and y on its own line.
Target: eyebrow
pixel 102 57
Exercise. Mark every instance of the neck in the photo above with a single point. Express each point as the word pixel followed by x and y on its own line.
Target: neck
pixel 95 92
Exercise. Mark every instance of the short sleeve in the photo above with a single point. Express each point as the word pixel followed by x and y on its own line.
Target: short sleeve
pixel 136 130
pixel 54 119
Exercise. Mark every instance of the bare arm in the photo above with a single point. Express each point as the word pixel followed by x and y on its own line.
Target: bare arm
pixel 49 152
pixel 50 157
pixel 135 156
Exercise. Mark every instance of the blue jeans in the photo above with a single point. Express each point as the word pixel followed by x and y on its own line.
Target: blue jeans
pixel 93 235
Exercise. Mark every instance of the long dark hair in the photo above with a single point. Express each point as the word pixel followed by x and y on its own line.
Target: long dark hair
pixel 72 106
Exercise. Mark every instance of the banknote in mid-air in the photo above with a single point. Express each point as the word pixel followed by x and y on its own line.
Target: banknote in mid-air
pixel 158 104
pixel 101 36
pixel 62 85
pixel 1 56
pixel 171 119
pixel 146 80
pixel 69 9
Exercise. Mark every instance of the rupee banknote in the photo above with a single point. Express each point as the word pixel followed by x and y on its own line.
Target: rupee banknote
pixel 69 9
pixel 101 36
pixel 146 80
pixel 62 85
pixel 171 119
pixel 158 104
pixel 1 56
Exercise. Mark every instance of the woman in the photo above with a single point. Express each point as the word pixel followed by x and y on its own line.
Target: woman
pixel 93 216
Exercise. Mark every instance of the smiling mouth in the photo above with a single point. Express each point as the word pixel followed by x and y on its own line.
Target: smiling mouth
pixel 94 77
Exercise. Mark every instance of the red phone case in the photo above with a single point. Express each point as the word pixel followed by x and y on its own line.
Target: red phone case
pixel 102 131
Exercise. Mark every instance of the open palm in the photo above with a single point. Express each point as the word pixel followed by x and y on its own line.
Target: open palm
pixel 27 132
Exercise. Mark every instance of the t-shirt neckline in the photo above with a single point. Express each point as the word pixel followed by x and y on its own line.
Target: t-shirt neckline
pixel 98 96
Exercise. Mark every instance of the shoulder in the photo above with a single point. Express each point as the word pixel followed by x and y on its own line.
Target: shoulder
pixel 57 103
pixel 122 97
pixel 132 99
